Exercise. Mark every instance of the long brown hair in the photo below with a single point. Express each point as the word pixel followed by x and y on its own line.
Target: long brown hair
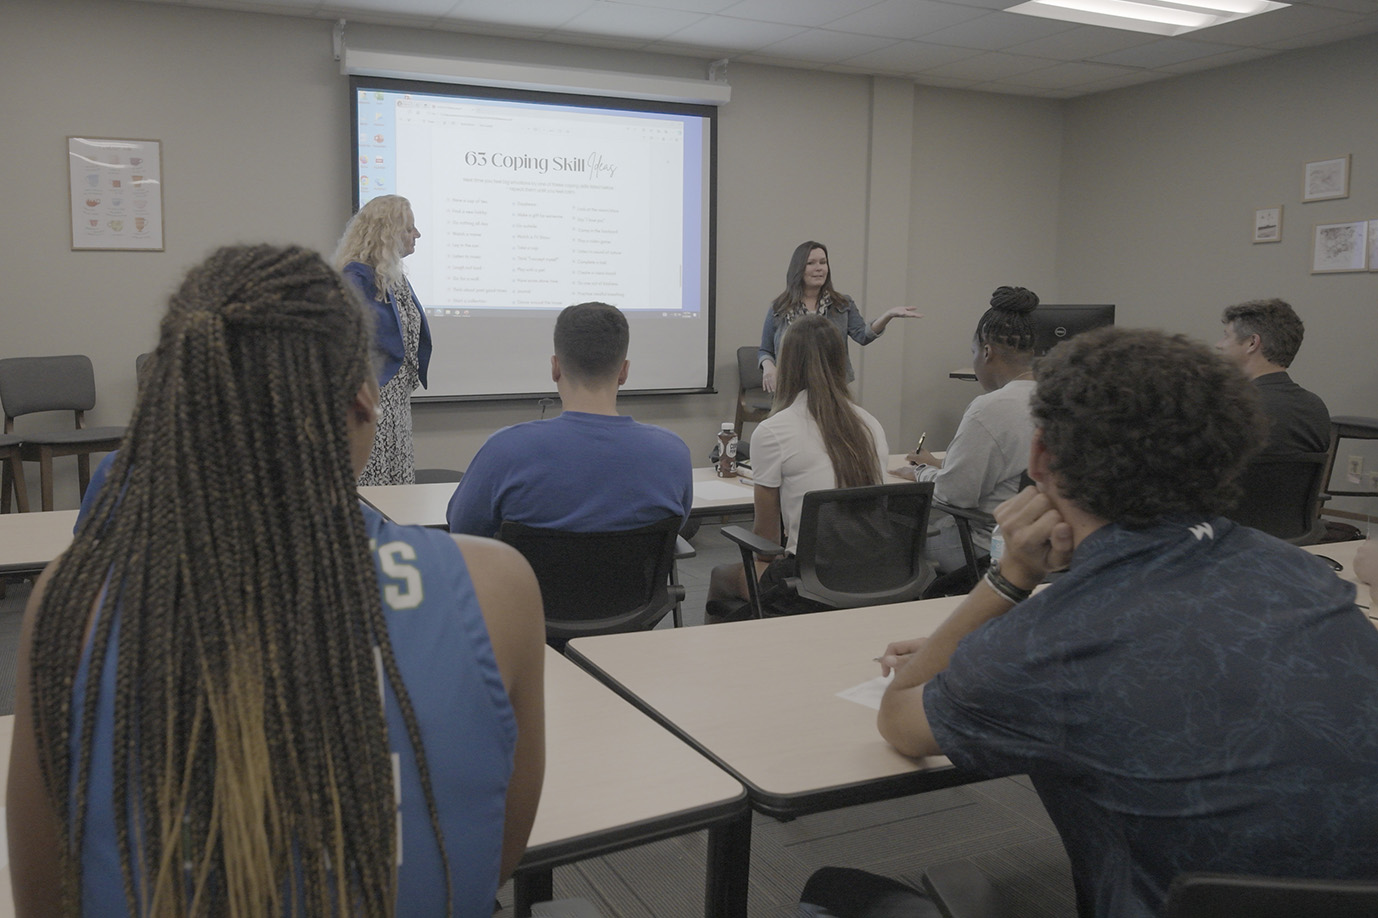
pixel 250 754
pixel 813 358
pixel 792 297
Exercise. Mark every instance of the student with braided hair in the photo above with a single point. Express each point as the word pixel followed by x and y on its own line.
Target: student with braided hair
pixel 241 693
pixel 990 451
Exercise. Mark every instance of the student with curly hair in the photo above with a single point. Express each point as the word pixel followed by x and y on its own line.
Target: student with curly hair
pixel 242 693
pixel 1192 695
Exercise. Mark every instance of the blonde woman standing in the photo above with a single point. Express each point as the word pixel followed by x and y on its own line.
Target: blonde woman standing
pixel 370 255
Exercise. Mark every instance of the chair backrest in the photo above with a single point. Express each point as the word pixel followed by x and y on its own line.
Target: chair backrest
pixel 599 582
pixel 30 384
pixel 1282 496
pixel 748 370
pixel 437 476
pixel 1211 895
pixel 864 546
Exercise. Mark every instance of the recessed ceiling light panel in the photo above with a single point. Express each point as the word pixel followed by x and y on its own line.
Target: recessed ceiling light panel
pixel 1160 17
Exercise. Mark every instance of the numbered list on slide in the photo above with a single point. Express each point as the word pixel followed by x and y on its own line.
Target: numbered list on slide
pixel 559 210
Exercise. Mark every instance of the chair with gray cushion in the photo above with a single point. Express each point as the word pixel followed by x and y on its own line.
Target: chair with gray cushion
pixel 753 401
pixel 13 475
pixel 29 385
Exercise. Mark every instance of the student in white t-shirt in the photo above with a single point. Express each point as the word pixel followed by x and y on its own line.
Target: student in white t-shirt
pixel 816 438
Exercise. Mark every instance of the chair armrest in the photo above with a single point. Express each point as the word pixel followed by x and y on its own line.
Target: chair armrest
pixel 970 514
pixel 752 542
pixel 683 549
pixel 960 890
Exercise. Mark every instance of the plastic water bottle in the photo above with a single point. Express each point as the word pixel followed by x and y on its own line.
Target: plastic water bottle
pixel 997 544
pixel 727 451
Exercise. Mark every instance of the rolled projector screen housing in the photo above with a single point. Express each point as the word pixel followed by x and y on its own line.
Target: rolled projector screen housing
pixel 529 202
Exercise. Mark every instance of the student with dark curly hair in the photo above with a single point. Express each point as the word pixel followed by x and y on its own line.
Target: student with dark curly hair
pixel 1191 695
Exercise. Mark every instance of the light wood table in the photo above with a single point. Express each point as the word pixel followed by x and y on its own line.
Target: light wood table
pixel 615 779
pixel 28 541
pixel 760 699
pixel 411 504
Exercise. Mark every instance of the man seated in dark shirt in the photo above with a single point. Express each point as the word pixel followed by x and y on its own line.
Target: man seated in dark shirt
pixel 1192 695
pixel 1262 338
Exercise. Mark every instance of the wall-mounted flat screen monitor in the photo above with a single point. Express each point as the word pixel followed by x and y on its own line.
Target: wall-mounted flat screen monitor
pixel 1054 324
pixel 530 202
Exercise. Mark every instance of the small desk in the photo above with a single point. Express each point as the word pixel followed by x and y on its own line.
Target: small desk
pixel 28 541
pixel 615 779
pixel 766 708
pixel 411 504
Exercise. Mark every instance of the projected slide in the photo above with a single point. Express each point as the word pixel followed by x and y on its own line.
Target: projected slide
pixel 526 207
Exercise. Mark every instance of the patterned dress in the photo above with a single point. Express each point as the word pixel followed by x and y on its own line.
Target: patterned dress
pixel 393 460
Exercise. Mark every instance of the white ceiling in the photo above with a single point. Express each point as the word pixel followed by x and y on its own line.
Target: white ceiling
pixel 965 44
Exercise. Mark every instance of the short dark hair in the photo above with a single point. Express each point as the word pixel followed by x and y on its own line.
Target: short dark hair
pixel 1277 325
pixel 591 341
pixel 1142 426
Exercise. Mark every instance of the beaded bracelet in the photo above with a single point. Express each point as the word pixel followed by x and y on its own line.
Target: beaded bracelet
pixel 1007 590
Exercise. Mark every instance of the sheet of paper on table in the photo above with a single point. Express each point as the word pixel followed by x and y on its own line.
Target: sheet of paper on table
pixel 726 489
pixel 868 693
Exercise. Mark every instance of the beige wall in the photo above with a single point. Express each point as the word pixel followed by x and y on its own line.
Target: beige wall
pixel 929 196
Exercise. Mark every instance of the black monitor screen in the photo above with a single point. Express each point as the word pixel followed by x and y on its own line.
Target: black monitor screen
pixel 1054 324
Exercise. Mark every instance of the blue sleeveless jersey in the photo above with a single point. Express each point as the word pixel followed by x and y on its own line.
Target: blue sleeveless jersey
pixel 467 727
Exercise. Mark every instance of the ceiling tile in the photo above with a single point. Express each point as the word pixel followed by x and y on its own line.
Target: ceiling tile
pixel 1061 76
pixel 730 34
pixel 627 20
pixel 796 12
pixel 1277 25
pixel 990 66
pixel 1326 36
pixel 1237 56
pixel 995 31
pixel 1081 43
pixel 911 57
pixel 1161 53
pixel 1367 7
pixel 905 18
pixel 825 46
pixel 431 8
pixel 548 14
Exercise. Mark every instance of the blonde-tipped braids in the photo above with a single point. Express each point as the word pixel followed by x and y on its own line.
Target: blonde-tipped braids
pixel 250 757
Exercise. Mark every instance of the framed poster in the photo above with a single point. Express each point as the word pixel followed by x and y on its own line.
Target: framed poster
pixel 116 194
pixel 1268 224
pixel 1340 247
pixel 1325 179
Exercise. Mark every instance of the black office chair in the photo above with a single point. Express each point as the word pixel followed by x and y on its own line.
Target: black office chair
pixel 960 582
pixel 753 401
pixel 960 890
pixel 600 582
pixel 33 384
pixel 857 547
pixel 1347 427
pixel 1211 895
pixel 1282 497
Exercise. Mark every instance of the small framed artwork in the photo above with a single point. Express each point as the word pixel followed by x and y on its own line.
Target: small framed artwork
pixel 1326 179
pixel 116 194
pixel 1268 224
pixel 1340 247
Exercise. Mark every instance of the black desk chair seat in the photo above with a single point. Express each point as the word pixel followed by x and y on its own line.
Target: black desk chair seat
pixel 1282 497
pixel 857 547
pixel 600 582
